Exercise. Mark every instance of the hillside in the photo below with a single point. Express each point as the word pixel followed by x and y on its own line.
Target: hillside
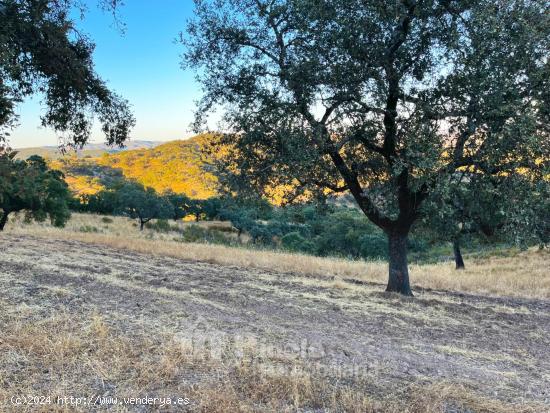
pixel 176 166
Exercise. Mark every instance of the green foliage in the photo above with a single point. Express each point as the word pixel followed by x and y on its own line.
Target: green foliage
pixel 161 225
pixel 385 100
pixel 107 220
pixel 181 204
pixel 337 231
pixel 249 215
pixel 103 202
pixel 315 229
pixel 136 202
pixel 41 53
pixel 512 209
pixel 342 234
pixel 194 233
pixel 211 207
pixel 528 213
pixel 88 228
pixel 376 246
pixel 295 242
pixel 323 108
pixel 31 187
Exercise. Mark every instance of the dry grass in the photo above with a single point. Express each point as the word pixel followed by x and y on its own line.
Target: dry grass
pixel 81 320
pixel 523 275
pixel 64 356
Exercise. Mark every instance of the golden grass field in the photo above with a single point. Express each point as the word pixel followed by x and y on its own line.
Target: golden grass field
pixel 120 313
pixel 524 274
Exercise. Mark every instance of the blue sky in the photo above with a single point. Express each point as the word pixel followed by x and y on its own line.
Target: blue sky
pixel 143 65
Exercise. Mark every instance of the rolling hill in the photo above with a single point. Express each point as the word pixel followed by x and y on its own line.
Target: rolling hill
pixel 172 166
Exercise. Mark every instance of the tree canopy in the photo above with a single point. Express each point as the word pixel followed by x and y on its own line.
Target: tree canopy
pixel 137 202
pixel 42 51
pixel 508 208
pixel 31 187
pixel 385 100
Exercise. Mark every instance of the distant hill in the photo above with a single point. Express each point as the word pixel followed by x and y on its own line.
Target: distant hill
pixel 174 166
pixel 89 150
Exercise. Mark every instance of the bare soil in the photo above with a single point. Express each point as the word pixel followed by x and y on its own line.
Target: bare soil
pixel 347 330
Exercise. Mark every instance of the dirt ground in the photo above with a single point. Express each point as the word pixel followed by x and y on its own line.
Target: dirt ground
pixel 349 332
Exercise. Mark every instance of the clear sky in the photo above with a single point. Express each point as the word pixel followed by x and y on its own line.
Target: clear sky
pixel 143 65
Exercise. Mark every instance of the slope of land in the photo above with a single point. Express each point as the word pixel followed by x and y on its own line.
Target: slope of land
pixel 517 274
pixel 81 319
pixel 176 166
pixel 179 166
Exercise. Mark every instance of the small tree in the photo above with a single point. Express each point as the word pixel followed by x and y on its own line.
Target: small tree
pixel 529 213
pixel 465 207
pixel 211 207
pixel 182 205
pixel 512 208
pixel 102 202
pixel 31 187
pixel 143 204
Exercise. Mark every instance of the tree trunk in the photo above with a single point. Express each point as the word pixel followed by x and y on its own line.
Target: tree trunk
pixel 399 270
pixel 3 220
pixel 141 224
pixel 458 255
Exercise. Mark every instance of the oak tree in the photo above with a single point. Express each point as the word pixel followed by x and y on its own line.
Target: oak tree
pixel 143 204
pixel 384 100
pixel 32 187
pixel 510 208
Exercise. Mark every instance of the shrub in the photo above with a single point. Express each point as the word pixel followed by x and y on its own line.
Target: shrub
pixel 373 246
pixel 107 220
pixel 161 225
pixel 88 228
pixel 195 233
pixel 31 187
pixel 260 234
pixel 295 242
pixel 417 245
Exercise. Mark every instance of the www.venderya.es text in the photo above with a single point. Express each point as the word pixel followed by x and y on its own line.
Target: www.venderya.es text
pixel 96 399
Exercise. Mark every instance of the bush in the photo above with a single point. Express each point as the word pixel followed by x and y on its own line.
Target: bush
pixel 340 234
pixel 260 234
pixel 323 230
pixel 161 225
pixel 88 228
pixel 195 233
pixel 373 246
pixel 107 220
pixel 417 245
pixel 294 242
